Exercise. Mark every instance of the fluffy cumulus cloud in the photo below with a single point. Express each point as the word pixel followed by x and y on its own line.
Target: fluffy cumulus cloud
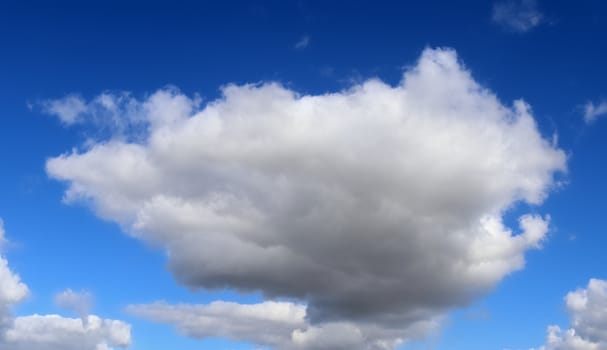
pixel 518 16
pixel 587 308
pixel 378 207
pixel 51 332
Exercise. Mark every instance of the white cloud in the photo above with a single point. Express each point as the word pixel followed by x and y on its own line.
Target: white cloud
pixel 302 43
pixel 380 204
pixel 587 308
pixel 54 332
pixel 593 111
pixel 279 325
pixel 517 15
pixel 116 113
pixel 51 332
pixel 68 109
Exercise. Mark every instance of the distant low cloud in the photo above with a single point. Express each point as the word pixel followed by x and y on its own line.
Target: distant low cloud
pixel 587 308
pixel 278 325
pixel 518 16
pixel 377 205
pixel 52 332
pixel 593 111
pixel 302 43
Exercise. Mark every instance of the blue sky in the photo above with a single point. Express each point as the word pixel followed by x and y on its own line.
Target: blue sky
pixel 167 68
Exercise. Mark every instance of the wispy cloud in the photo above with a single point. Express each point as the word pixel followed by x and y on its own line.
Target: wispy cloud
pixel 593 111
pixel 302 43
pixel 518 16
pixel 68 109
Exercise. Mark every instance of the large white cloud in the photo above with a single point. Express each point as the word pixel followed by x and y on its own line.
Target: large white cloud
pixel 587 308
pixel 380 204
pixel 51 332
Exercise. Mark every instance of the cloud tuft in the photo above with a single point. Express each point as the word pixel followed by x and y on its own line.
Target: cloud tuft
pixel 593 111
pixel 303 43
pixel 518 16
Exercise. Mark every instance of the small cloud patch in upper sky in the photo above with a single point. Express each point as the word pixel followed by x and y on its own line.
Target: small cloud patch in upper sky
pixel 68 109
pixel 518 16
pixel 303 43
pixel 593 111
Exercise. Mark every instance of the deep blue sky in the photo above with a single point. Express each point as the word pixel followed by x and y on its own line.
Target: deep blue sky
pixel 50 49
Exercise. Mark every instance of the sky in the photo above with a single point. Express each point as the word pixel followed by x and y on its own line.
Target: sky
pixel 303 175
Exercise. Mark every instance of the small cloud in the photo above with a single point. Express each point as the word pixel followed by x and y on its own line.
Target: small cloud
pixel 68 109
pixel 79 302
pixel 302 43
pixel 53 332
pixel 518 16
pixel 593 111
